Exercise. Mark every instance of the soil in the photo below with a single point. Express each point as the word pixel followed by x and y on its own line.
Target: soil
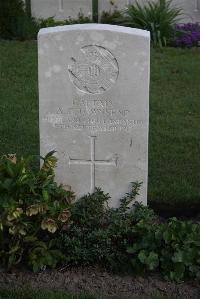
pixel 183 211
pixel 98 282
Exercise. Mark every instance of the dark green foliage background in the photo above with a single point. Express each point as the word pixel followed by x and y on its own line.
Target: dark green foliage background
pixel 16 21
pixel 11 11
pixel 174 141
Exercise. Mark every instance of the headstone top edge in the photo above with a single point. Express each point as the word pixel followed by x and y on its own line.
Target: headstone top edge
pixel 94 26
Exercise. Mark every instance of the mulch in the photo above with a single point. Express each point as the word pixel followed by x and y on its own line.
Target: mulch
pixel 99 282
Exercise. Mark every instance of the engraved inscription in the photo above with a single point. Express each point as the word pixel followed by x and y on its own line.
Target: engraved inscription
pixel 93 114
pixel 94 71
pixel 93 162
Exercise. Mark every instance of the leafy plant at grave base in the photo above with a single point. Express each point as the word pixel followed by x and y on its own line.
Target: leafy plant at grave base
pixel 157 17
pixel 111 17
pixel 130 235
pixel 172 248
pixel 99 234
pixel 33 209
pixel 15 23
pixel 51 22
pixel 81 19
pixel 187 35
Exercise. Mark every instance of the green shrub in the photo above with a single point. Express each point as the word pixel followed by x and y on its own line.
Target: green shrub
pixel 99 234
pixel 157 17
pixel 11 11
pixel 172 248
pixel 26 28
pixel 130 236
pixel 15 23
pixel 32 209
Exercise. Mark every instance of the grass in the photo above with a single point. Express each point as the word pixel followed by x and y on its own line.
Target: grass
pixel 174 147
pixel 174 144
pixel 18 98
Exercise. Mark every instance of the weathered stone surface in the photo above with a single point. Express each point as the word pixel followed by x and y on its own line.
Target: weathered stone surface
pixel 94 106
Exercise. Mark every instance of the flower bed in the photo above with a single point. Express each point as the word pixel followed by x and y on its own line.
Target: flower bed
pixel 187 35
pixel 41 227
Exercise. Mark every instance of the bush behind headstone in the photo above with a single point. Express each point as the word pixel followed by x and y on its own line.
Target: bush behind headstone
pixel 14 21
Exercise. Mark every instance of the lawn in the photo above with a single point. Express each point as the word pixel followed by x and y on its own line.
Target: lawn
pixel 174 143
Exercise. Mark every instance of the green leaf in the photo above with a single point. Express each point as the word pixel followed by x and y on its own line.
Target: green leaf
pixel 167 236
pixel 36 267
pixel 142 256
pixel 152 261
pixel 178 257
pixel 10 170
pixel 14 249
pixel 50 154
pixel 45 195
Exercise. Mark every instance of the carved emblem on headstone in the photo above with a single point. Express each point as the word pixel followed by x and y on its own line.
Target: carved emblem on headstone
pixel 94 71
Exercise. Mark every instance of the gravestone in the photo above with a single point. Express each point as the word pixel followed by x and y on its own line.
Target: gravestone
pixel 94 106
pixel 62 9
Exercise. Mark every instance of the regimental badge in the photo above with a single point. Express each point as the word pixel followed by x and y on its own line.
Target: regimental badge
pixel 95 71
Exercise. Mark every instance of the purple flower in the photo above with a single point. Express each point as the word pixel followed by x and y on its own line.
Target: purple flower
pixel 187 35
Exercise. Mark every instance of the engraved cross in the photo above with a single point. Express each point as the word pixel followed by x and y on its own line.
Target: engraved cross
pixel 93 162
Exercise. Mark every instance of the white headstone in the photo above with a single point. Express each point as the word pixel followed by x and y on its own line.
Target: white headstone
pixel 60 9
pixel 94 106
